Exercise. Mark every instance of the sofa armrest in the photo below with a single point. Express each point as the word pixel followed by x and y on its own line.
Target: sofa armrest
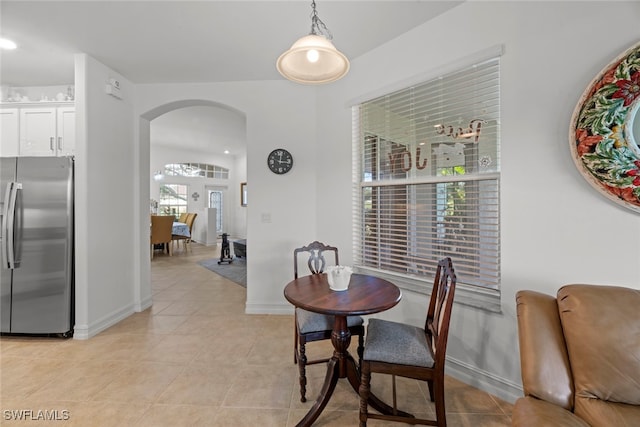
pixel 544 362
pixel 532 412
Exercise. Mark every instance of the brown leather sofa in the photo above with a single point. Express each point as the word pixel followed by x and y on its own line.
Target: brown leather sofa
pixel 580 357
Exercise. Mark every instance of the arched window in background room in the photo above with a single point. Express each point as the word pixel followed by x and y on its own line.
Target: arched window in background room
pixel 195 170
pixel 215 201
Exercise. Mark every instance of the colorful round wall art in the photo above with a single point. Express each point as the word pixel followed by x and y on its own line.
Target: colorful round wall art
pixel 605 131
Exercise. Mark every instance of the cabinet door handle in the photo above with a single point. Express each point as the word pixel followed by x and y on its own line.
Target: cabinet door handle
pixel 59 143
pixel 51 147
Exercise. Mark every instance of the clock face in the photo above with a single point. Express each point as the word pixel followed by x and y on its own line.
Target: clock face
pixel 280 161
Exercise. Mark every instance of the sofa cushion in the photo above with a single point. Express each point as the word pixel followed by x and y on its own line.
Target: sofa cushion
pixel 600 413
pixel 531 412
pixel 602 331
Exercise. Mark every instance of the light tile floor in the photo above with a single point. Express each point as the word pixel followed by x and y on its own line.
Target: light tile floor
pixel 195 359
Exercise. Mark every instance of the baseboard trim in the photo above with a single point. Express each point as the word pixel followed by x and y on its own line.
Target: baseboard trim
pixel 500 387
pixel 268 309
pixel 84 332
pixel 140 306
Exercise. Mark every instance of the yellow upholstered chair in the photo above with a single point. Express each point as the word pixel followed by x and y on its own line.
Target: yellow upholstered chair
pixel 186 240
pixel 161 227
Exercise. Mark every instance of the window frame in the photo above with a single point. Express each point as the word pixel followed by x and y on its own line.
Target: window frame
pixel 169 206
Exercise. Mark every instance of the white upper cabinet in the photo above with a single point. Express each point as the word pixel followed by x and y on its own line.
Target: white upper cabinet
pixel 66 142
pixel 47 131
pixel 9 132
pixel 38 131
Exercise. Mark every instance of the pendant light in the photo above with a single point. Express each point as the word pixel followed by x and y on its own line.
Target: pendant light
pixel 313 59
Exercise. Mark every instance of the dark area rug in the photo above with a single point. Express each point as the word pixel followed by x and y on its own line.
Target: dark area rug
pixel 236 271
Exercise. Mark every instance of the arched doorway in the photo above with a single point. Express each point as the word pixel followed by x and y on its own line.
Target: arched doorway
pixel 146 171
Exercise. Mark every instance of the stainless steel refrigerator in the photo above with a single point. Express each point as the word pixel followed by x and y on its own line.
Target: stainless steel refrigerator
pixel 37 280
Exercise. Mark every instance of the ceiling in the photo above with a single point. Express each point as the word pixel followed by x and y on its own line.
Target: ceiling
pixel 188 41
pixel 159 41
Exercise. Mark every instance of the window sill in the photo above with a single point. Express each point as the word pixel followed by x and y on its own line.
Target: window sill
pixel 472 296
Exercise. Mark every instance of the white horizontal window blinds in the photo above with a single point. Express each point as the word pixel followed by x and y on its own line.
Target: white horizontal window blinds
pixel 426 180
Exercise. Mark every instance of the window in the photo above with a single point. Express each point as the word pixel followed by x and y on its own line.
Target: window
pixel 426 177
pixel 194 170
pixel 215 201
pixel 173 199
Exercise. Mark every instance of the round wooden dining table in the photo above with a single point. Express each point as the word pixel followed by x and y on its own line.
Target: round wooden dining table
pixel 365 295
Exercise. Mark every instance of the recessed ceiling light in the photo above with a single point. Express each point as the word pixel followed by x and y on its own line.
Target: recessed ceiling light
pixel 7 44
pixel 226 151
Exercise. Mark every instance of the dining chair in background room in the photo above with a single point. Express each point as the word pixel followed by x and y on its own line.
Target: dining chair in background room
pixel 183 217
pixel 398 349
pixel 191 218
pixel 161 228
pixel 186 240
pixel 311 326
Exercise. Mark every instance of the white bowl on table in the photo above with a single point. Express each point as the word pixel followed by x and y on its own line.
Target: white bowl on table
pixel 338 277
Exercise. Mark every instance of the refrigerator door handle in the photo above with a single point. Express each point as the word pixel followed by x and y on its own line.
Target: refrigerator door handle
pixel 5 219
pixel 8 224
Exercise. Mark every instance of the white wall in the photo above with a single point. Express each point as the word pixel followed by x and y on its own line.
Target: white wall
pixel 556 229
pixel 105 243
pixel 238 212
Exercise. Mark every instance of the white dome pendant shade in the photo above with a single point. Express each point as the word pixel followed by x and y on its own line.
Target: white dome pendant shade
pixel 313 59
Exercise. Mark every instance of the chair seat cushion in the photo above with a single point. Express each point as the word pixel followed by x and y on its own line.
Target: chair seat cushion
pixel 396 343
pixel 309 321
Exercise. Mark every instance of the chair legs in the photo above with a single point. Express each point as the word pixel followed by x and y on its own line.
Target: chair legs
pixel 168 246
pixel 295 345
pixel 436 392
pixel 431 392
pixel 364 393
pixel 302 368
pixel 186 243
pixel 300 358
pixel 438 398
pixel 360 348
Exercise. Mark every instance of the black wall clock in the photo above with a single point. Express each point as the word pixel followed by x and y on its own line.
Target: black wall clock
pixel 280 161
